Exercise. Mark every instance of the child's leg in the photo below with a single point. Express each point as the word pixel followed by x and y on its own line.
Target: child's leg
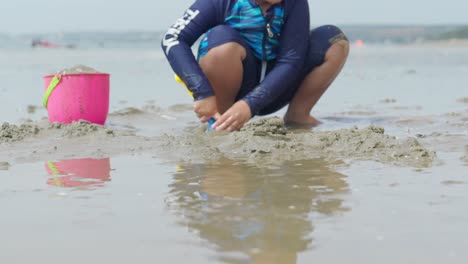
pixel 319 79
pixel 227 63
pixel 222 65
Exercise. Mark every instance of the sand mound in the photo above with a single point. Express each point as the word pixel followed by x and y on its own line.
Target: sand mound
pixel 80 129
pixel 268 142
pixel 14 133
pixel 262 142
pixel 77 69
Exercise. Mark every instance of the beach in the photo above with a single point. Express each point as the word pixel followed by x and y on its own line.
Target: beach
pixel 383 179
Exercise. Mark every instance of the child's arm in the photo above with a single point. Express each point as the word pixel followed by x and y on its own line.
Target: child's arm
pixel 177 42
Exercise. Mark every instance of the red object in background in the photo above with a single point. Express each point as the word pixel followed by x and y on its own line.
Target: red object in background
pixel 45 44
pixel 359 43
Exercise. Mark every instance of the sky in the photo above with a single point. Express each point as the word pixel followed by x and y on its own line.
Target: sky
pixel 44 16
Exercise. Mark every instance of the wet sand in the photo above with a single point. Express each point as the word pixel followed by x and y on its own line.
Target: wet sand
pixel 262 142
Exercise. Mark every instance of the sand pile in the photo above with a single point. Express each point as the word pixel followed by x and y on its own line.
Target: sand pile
pixel 80 128
pixel 14 133
pixel 77 69
pixel 267 141
pixel 263 142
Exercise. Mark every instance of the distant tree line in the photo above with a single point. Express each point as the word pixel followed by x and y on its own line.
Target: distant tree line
pixel 460 33
pixel 404 33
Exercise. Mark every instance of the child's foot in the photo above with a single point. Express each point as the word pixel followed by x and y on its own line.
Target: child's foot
pixel 301 121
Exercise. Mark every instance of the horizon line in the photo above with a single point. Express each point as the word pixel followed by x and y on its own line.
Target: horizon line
pixel 26 33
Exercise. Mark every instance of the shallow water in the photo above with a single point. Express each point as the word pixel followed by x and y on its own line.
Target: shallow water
pixel 79 199
pixel 136 208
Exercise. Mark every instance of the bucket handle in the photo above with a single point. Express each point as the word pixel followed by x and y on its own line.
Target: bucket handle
pixel 55 81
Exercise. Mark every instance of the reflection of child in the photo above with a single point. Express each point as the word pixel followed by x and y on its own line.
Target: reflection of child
pixel 79 172
pixel 256 57
pixel 240 207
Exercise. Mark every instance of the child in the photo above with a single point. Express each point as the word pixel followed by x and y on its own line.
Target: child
pixel 256 57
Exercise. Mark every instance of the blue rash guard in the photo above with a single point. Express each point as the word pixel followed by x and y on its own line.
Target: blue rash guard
pixel 281 35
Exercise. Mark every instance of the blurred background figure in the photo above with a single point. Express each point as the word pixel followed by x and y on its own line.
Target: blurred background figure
pixel 37 43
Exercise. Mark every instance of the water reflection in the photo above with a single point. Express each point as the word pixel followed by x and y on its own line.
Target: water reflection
pixel 78 172
pixel 264 214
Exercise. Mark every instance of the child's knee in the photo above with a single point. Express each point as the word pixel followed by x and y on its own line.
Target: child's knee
pixel 327 43
pixel 329 32
pixel 222 41
pixel 227 51
pixel 338 51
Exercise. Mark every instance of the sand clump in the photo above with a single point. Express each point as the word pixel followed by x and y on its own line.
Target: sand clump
pixel 32 109
pixel 267 127
pixel 269 142
pixel 14 133
pixel 78 69
pixel 80 128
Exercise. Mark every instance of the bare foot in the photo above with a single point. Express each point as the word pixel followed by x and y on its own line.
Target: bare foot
pixel 302 122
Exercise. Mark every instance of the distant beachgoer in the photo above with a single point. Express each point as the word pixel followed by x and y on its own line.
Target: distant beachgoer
pixel 70 46
pixel 256 57
pixel 45 44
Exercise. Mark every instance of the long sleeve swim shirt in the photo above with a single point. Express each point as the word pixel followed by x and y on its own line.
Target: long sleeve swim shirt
pixel 281 34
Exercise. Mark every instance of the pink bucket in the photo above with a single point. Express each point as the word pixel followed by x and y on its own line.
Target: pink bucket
pixel 83 96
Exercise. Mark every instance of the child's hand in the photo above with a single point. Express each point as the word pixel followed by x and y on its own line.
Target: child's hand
pixel 206 108
pixel 234 118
